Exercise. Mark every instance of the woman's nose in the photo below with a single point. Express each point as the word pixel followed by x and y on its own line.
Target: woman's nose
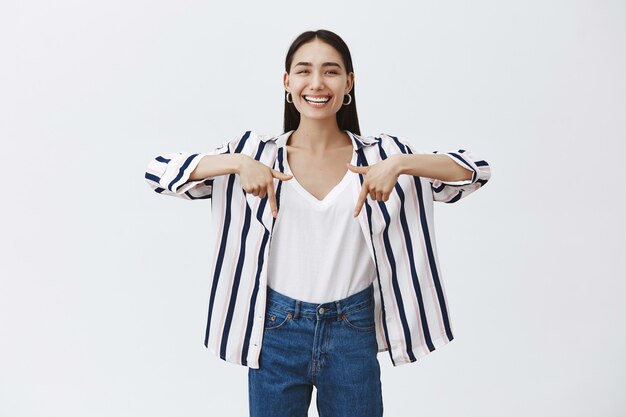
pixel 317 82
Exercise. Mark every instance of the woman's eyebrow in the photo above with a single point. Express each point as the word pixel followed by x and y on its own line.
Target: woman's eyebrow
pixel 325 64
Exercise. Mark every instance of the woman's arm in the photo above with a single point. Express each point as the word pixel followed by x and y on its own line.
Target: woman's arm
pixel 215 165
pixel 452 175
pixel 446 186
pixel 436 166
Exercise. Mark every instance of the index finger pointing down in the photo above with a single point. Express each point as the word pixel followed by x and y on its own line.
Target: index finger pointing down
pixel 272 197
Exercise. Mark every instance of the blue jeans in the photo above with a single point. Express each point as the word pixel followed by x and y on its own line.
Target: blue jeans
pixel 331 346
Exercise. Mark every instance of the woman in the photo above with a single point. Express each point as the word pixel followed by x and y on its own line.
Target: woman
pixel 323 253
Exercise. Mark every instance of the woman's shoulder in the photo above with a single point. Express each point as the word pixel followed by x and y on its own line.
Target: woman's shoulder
pixel 249 139
pixel 254 135
pixel 386 141
pixel 380 137
pixel 251 142
pixel 250 135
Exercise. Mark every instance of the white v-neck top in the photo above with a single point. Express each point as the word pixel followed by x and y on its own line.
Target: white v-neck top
pixel 318 252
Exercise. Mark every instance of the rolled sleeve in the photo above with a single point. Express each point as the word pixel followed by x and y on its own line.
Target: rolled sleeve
pixel 461 159
pixel 168 174
pixel 453 191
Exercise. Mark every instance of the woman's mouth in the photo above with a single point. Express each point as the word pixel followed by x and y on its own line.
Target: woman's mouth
pixel 317 101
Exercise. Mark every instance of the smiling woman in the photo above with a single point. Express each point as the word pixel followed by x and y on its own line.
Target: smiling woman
pixel 317 81
pixel 321 57
pixel 308 297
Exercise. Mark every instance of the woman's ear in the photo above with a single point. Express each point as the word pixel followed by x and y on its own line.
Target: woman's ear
pixel 349 82
pixel 286 80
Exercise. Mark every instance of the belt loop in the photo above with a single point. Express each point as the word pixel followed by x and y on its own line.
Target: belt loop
pixel 296 314
pixel 338 304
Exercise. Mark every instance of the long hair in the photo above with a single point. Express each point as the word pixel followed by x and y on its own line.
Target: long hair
pixel 347 118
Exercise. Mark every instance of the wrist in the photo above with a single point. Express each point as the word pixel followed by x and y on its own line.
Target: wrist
pixel 401 163
pixel 238 162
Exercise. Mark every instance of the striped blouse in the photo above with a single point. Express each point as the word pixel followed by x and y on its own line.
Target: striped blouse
pixel 411 311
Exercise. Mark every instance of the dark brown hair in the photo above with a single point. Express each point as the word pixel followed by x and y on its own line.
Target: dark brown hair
pixel 347 118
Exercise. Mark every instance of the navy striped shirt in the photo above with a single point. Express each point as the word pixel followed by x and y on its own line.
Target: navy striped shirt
pixel 411 311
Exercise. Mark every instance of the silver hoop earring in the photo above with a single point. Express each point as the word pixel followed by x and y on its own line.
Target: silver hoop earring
pixel 349 100
pixel 289 96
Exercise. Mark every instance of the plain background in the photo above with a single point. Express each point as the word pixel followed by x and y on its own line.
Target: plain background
pixel 104 284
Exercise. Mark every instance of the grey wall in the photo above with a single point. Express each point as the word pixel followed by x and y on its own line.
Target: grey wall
pixel 100 315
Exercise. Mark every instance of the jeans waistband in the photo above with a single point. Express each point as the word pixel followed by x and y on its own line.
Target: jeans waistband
pixel 360 300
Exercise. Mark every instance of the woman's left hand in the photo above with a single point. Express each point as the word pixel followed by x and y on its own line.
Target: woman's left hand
pixel 378 182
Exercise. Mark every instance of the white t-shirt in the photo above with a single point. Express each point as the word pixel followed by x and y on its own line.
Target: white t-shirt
pixel 308 260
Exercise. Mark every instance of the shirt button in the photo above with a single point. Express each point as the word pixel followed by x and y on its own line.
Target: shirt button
pixel 321 310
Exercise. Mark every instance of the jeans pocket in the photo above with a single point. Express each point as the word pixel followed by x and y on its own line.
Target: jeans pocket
pixel 276 318
pixel 361 320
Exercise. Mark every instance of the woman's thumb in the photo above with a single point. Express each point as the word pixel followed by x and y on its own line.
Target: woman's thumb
pixel 281 175
pixel 357 169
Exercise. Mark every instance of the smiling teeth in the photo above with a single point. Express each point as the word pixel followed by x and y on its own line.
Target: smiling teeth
pixel 317 99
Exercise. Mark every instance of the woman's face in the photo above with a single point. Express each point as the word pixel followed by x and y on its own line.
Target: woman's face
pixel 318 80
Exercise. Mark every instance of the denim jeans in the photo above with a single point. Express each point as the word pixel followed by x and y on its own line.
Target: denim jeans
pixel 331 346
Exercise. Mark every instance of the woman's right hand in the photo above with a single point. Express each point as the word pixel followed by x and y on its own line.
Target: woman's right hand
pixel 258 179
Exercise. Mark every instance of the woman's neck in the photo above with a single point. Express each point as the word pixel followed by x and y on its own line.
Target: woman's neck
pixel 318 136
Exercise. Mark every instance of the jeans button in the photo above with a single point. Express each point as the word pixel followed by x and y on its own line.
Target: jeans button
pixel 321 310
